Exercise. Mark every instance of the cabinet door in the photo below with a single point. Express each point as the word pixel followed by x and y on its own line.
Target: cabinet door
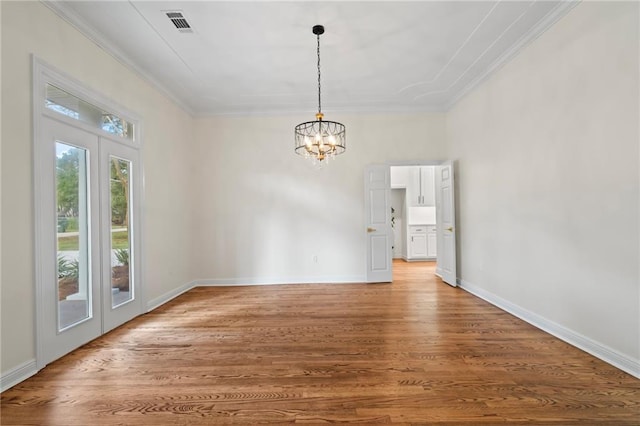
pixel 431 244
pixel 399 176
pixel 418 245
pixel 427 185
pixel 414 197
pixel 420 182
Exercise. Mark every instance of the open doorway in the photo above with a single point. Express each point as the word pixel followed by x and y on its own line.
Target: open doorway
pixel 413 212
pixel 422 212
pixel 413 219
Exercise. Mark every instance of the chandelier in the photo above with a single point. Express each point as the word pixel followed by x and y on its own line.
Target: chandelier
pixel 320 140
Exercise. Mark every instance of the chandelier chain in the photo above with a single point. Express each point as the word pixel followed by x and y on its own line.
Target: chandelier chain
pixel 319 88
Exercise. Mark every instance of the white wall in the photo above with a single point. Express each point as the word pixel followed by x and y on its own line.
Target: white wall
pixel 265 212
pixel 548 162
pixel 30 27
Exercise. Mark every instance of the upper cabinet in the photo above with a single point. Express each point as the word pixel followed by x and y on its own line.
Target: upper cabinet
pixel 419 182
pixel 400 176
pixel 421 191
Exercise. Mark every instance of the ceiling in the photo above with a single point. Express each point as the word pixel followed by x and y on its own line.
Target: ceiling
pixel 260 57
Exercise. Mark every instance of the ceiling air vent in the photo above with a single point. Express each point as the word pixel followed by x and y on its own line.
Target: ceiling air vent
pixel 179 21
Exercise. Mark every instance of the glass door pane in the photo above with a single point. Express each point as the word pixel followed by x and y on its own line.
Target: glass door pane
pixel 122 288
pixel 73 239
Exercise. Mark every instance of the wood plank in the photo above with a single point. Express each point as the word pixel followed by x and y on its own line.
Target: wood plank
pixel 413 352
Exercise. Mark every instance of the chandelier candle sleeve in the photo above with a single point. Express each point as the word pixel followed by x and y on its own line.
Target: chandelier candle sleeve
pixel 320 140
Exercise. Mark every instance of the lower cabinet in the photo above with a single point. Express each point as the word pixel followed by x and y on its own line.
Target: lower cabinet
pixel 418 245
pixel 431 241
pixel 421 242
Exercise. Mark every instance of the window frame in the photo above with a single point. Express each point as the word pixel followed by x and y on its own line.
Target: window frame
pixel 42 75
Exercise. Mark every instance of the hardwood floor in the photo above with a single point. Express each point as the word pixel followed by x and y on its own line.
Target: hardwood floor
pixel 413 352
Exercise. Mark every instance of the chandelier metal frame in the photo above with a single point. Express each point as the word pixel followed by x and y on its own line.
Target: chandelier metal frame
pixel 320 140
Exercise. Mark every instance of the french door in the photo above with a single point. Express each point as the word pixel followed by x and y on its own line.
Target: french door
pixel 446 223
pixel 379 236
pixel 87 236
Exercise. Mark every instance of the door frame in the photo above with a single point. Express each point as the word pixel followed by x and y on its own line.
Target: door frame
pixel 434 163
pixel 43 74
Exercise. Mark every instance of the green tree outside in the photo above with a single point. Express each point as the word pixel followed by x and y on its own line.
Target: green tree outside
pixel 67 184
pixel 67 171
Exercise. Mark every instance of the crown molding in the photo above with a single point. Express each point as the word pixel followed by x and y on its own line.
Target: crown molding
pixel 418 109
pixel 536 31
pixel 68 15
pixel 72 18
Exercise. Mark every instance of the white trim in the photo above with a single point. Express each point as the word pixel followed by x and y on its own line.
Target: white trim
pixel 236 282
pixel 536 31
pixel 72 18
pixel 230 282
pixel 36 114
pixel 597 349
pixel 43 74
pixel 415 163
pixel 356 111
pixel 170 295
pixel 18 374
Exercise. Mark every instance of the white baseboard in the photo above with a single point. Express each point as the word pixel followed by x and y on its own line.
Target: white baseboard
pixel 161 300
pixel 603 352
pixel 18 374
pixel 221 282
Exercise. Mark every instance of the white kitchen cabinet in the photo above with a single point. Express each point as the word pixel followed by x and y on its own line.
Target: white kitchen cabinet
pixel 432 252
pixel 417 242
pixel 427 185
pixel 414 196
pixel 418 246
pixel 420 188
pixel 421 242
pixel 399 176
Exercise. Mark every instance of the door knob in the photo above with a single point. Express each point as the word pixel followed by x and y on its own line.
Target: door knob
pixel 371 229
pixel 450 229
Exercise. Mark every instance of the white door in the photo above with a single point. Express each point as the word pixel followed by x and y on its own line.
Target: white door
pixel 68 302
pixel 445 223
pixel 120 170
pixel 379 234
pixel 86 237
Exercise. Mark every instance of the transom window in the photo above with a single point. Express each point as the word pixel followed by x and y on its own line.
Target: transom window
pixel 67 104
